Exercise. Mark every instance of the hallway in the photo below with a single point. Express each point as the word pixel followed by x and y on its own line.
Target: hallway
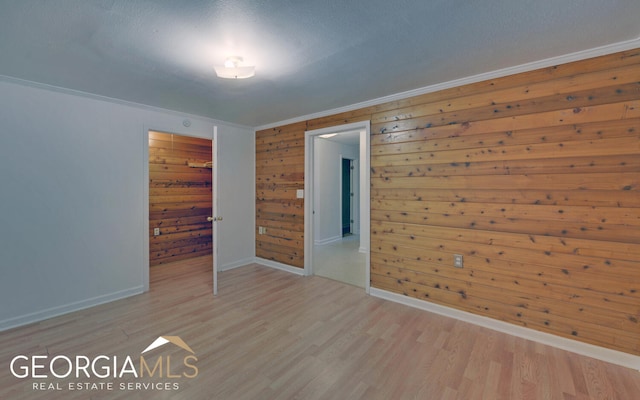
pixel 341 261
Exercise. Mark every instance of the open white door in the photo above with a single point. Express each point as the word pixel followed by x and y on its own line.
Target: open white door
pixel 215 207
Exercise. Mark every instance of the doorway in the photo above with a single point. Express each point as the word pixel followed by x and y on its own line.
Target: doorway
pixel 181 199
pixel 318 210
pixel 347 196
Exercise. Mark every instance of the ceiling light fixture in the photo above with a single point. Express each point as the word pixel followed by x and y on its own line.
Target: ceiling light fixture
pixel 232 69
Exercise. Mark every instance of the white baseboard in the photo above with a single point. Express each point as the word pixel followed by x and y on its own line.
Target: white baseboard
pixel 236 264
pixel 67 308
pixel 322 242
pixel 280 266
pixel 574 346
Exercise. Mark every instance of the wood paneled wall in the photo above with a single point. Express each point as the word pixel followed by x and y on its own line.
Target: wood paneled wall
pixel 179 198
pixel 534 178
pixel 279 174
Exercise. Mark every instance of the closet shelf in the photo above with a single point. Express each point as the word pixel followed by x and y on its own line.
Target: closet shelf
pixel 208 164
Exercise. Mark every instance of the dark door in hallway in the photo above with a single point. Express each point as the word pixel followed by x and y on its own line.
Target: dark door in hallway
pixel 347 196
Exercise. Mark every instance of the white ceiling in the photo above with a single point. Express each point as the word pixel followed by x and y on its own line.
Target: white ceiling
pixel 310 56
pixel 348 138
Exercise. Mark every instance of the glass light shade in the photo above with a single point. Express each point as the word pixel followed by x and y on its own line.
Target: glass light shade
pixel 232 69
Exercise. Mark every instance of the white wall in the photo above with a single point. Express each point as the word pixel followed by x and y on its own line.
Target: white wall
pixel 71 208
pixel 327 202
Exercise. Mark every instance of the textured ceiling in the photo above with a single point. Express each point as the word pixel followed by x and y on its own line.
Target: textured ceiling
pixel 310 56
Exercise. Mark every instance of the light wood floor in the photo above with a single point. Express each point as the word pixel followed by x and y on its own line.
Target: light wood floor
pixel 274 335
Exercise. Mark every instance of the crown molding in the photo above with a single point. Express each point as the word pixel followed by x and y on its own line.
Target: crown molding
pixel 548 62
pixel 531 66
pixel 112 100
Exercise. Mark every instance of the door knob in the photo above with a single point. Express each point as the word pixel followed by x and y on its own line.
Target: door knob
pixel 210 219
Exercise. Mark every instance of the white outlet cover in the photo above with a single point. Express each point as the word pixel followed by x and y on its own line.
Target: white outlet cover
pixel 300 193
pixel 457 261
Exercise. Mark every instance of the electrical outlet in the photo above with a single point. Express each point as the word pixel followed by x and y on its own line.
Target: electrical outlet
pixel 262 230
pixel 156 231
pixel 457 260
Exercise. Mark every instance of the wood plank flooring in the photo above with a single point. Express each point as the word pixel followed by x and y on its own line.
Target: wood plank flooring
pixel 274 335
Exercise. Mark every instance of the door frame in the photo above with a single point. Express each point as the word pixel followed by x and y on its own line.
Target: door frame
pixel 213 136
pixel 353 208
pixel 364 127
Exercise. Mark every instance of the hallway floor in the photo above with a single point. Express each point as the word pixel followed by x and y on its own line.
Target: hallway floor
pixel 341 261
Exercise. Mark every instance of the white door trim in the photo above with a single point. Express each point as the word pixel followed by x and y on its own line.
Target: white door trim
pixel 215 206
pixel 145 197
pixel 364 127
